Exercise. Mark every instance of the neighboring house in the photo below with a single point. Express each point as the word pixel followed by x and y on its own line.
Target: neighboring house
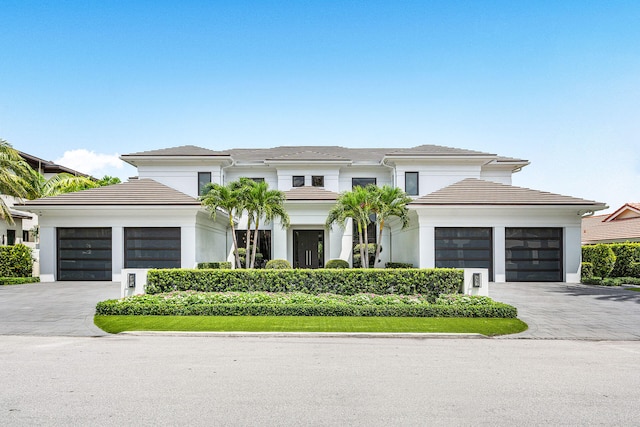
pixel 621 226
pixel 465 213
pixel 18 232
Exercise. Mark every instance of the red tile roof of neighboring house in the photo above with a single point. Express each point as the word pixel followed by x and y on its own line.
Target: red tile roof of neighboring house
pixel 621 226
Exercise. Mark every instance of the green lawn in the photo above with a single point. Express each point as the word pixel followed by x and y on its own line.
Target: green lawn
pixel 485 326
pixel 633 289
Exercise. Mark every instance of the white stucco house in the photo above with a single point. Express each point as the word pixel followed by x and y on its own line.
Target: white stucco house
pixel 465 213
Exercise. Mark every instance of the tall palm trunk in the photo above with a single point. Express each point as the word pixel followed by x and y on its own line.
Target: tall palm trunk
pixel 365 258
pixel 247 252
pixel 235 241
pixel 255 243
pixel 378 243
pixel 361 244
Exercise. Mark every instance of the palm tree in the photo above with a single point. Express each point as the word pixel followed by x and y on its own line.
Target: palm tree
pixel 267 204
pixel 39 186
pixel 389 202
pixel 14 177
pixel 357 205
pixel 227 198
pixel 243 187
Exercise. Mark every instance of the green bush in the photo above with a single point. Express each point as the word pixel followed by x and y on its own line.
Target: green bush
pixel 602 258
pixel 626 255
pixel 16 261
pixel 337 263
pixel 611 281
pixel 398 265
pixel 18 280
pixel 298 304
pixel 635 269
pixel 371 253
pixel 586 270
pixel 429 282
pixel 278 264
pixel 215 265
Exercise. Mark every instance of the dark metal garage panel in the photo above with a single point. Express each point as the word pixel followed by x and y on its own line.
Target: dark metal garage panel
pixel 534 254
pixel 152 247
pixel 465 247
pixel 84 253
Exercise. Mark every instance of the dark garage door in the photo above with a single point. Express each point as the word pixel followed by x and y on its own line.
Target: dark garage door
pixel 465 247
pixel 84 253
pixel 152 247
pixel 533 254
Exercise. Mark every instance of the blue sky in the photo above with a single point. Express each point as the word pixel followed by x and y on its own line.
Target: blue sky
pixel 554 82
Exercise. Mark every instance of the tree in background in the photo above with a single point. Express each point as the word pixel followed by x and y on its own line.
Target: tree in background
pixel 15 176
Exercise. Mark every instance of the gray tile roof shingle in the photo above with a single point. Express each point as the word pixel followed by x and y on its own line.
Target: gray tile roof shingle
pixel 310 193
pixel 184 150
pixel 138 192
pixel 472 191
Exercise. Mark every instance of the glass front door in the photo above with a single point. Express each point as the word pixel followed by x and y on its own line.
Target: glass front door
pixel 308 248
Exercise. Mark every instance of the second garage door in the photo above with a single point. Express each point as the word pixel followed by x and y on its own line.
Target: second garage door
pixel 152 247
pixel 533 254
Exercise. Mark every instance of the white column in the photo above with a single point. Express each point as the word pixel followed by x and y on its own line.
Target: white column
pixel 499 255
pixel 572 254
pixel 279 240
pixel 346 249
pixel 48 255
pixel 117 253
pixel 188 243
pixel 426 244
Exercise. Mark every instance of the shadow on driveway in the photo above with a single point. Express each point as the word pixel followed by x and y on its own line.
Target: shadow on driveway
pixel 53 309
pixel 572 311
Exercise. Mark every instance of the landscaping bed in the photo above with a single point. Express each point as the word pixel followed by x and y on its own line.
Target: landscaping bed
pixel 190 303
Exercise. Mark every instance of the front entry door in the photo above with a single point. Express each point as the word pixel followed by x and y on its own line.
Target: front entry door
pixel 308 248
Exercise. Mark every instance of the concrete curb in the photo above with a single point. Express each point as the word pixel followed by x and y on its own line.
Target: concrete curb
pixel 307 334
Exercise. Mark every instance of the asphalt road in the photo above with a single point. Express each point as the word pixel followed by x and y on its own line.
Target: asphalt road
pixel 279 381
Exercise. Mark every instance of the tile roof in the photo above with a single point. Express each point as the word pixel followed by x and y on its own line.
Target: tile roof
pixel 46 166
pixel 19 214
pixel 138 192
pixel 596 230
pixel 317 152
pixel 628 210
pixel 184 150
pixel 310 193
pixel 472 191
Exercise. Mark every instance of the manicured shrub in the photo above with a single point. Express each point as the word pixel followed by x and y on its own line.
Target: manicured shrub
pixel 586 270
pixel 635 269
pixel 215 265
pixel 278 264
pixel 398 265
pixel 626 255
pixel 337 263
pixel 298 304
pixel 611 281
pixel 430 282
pixel 16 261
pixel 18 280
pixel 602 258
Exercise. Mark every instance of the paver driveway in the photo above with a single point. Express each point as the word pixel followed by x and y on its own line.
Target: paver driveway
pixel 60 308
pixel 552 310
pixel 572 311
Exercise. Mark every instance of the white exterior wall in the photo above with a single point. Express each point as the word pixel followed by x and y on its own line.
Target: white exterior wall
pixel 499 218
pixel 382 174
pixel 236 172
pixel 433 177
pixel 196 234
pixel 183 177
pixel 404 244
pixel 330 174
pixel 496 175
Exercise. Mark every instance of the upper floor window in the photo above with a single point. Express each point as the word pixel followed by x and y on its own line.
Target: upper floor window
pixel 411 183
pixel 204 178
pixel 317 181
pixel 298 181
pixel 362 182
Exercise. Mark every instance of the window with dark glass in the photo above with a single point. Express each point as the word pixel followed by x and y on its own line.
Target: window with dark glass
pixel 263 251
pixel 362 182
pixel 152 247
pixel 464 247
pixel 204 178
pixel 257 179
pixel 317 181
pixel 298 181
pixel 411 183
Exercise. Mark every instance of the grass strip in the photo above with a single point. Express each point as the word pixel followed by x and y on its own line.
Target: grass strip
pixel 632 289
pixel 484 326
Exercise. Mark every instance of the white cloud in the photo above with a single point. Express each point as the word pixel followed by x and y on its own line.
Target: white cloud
pixel 92 163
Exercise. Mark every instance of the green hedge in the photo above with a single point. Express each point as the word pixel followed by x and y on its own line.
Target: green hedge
pixel 214 265
pixel 626 256
pixel 602 258
pixel 261 304
pixel 16 261
pixel 586 270
pixel 431 282
pixel 337 263
pixel 277 264
pixel 611 281
pixel 398 265
pixel 18 280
